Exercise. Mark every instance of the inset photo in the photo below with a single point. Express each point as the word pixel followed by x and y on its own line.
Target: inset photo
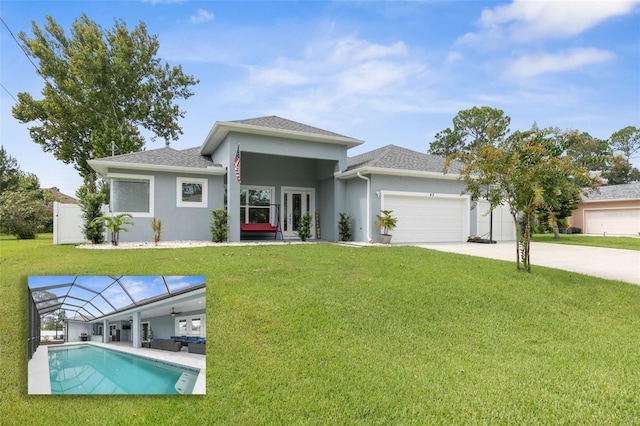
pixel 100 335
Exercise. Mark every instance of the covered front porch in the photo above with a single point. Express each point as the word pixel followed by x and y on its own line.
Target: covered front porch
pixel 278 170
pixel 274 194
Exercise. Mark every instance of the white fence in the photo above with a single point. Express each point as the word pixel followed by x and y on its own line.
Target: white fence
pixel 68 223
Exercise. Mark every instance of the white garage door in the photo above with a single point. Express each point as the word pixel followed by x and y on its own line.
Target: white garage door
pixel 503 227
pixel 426 218
pixel 612 222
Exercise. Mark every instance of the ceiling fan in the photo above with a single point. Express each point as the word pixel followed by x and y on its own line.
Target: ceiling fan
pixel 174 313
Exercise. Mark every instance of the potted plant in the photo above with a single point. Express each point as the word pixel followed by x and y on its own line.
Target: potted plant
pixel 386 222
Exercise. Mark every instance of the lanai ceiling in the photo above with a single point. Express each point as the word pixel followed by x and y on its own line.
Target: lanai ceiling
pixel 89 298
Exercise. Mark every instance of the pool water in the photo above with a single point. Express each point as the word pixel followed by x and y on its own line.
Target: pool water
pixel 86 369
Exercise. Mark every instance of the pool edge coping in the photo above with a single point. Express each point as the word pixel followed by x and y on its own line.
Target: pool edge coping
pixel 38 365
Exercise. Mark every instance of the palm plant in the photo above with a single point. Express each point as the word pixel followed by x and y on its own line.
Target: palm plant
pixel 157 227
pixel 115 224
pixel 386 221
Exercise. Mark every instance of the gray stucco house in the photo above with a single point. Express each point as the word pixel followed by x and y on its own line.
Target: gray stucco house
pixel 286 169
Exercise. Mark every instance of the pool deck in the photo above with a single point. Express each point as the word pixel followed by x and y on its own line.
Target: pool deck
pixel 39 382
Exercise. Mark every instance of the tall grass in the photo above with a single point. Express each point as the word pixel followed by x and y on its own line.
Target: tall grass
pixel 327 334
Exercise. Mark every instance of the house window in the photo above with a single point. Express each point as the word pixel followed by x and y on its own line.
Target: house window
pixel 182 327
pixel 131 194
pixel 192 192
pixel 193 325
pixel 196 325
pixel 255 204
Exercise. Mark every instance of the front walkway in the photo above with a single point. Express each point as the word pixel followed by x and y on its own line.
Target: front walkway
pixel 612 264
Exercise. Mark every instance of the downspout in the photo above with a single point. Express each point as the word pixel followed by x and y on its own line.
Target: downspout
pixel 368 206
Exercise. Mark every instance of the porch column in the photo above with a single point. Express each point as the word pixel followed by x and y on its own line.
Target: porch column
pixel 135 328
pixel 105 330
pixel 233 197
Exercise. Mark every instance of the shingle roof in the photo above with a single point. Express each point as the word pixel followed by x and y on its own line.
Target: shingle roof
pixel 395 157
pixel 275 122
pixel 627 191
pixel 60 197
pixel 164 157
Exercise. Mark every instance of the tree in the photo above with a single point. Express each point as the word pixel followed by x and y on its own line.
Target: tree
pixel 585 150
pixel 55 320
pixel 621 171
pixel 529 172
pixel 9 172
pixel 472 129
pixel 447 142
pixel 626 140
pixel 481 126
pixel 102 87
pixel 23 213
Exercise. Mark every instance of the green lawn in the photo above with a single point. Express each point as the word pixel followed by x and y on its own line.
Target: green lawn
pixel 328 334
pixel 628 243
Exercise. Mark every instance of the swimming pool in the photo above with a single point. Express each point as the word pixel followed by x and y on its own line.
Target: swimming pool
pixel 86 369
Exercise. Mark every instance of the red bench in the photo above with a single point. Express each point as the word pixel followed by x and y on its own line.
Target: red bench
pixel 260 227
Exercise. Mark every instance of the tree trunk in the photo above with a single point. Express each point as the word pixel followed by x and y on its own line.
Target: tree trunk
pixel 527 243
pixel 518 239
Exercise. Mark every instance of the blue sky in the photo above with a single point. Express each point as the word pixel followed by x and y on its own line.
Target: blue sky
pixel 384 72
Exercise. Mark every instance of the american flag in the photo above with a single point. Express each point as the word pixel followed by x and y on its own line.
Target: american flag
pixel 236 164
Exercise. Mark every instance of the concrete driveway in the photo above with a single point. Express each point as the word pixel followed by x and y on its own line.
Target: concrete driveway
pixel 613 264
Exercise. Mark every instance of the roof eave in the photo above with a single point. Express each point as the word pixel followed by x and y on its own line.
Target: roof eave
pixel 609 200
pixel 222 128
pixel 396 172
pixel 102 167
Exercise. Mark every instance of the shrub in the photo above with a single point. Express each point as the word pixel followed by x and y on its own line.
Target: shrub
pixel 91 204
pixel 576 230
pixel 156 226
pixel 344 226
pixel 304 227
pixel 22 214
pixel 219 225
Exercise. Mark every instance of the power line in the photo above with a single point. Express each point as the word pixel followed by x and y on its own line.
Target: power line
pixel 10 94
pixel 19 45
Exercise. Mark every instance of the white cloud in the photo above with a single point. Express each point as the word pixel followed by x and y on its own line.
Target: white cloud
pixel 202 16
pixel 351 49
pixel 452 57
pixel 154 2
pixel 277 76
pixel 375 76
pixel 533 65
pixel 526 20
pixel 335 76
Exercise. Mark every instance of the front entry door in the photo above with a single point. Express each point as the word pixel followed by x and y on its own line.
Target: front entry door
pixel 296 202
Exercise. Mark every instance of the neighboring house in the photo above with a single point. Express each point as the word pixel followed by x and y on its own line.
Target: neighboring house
pixel 609 210
pixel 287 169
pixel 60 197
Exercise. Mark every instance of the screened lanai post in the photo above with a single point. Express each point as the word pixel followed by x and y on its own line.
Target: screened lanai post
pixel 135 328
pixel 105 329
